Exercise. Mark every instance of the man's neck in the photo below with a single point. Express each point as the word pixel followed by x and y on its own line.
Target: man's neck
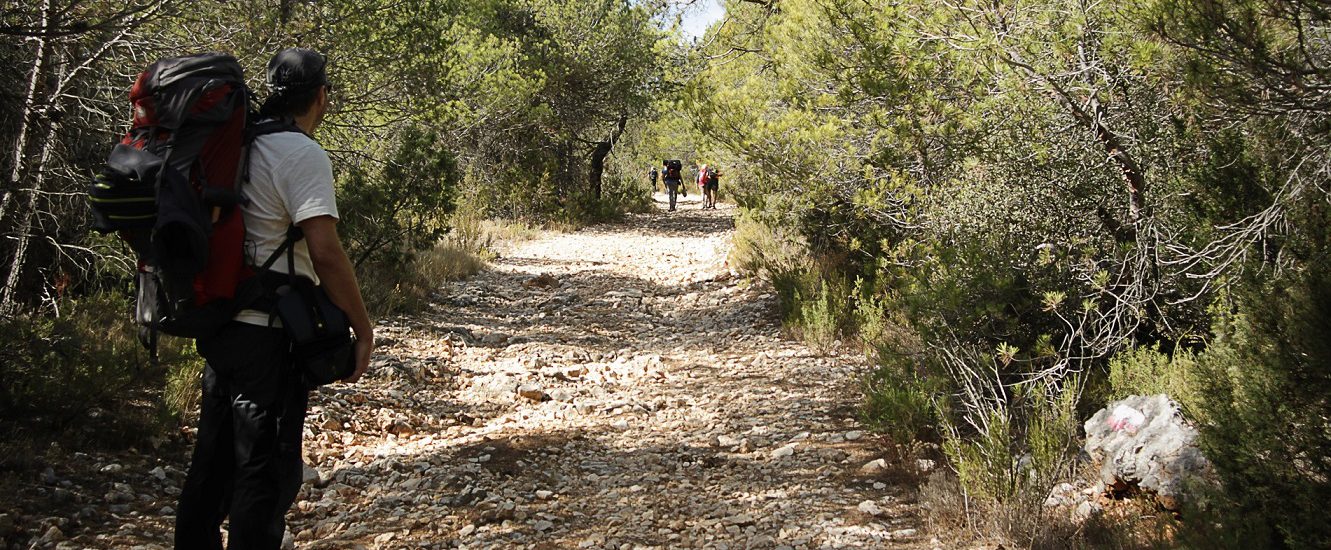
pixel 307 122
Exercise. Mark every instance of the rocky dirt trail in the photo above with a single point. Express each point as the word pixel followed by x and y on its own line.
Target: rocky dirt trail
pixel 616 387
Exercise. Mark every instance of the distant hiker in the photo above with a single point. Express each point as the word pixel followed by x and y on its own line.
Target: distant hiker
pixel 671 171
pixel 653 175
pixel 247 458
pixel 702 180
pixel 709 181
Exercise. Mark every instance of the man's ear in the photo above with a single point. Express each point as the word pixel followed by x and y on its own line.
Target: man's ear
pixel 321 103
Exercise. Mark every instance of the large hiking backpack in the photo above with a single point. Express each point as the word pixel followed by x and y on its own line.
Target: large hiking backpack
pixel 170 188
pixel 673 169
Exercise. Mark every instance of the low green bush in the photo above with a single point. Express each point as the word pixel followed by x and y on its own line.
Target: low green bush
pixel 84 374
pixel 1010 444
pixel 390 290
pixel 899 402
pixel 823 313
pixel 1148 371
pixel 759 249
pixel 60 365
pixel 182 390
pixel 393 210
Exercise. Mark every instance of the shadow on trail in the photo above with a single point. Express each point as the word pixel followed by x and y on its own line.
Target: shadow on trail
pixel 458 486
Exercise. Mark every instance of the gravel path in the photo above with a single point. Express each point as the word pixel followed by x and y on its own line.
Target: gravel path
pixel 616 387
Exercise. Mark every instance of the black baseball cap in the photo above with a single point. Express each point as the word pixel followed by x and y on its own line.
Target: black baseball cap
pixel 295 69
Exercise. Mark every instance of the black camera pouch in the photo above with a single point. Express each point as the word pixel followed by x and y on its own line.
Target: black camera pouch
pixel 322 345
pixel 321 341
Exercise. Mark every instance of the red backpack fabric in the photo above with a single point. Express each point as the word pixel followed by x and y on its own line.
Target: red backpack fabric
pixel 171 190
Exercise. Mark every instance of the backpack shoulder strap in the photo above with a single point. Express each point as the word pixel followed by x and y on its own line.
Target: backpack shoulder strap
pixel 294 233
pixel 272 126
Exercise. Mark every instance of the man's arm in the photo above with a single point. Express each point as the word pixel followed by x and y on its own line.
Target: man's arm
pixel 339 280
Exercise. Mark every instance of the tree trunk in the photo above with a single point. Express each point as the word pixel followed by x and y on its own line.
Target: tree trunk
pixel 594 172
pixel 29 113
pixel 1092 116
pixel 602 149
pixel 23 233
pixel 27 122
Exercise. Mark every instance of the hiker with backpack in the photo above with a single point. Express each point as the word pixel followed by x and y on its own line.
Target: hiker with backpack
pixel 709 182
pixel 654 176
pixel 247 461
pixel 671 174
pixel 704 173
pixel 203 190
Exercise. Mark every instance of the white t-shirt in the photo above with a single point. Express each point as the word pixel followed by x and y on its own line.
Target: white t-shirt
pixel 291 180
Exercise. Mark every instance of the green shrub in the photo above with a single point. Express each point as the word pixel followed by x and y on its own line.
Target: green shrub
pixel 986 463
pixel 467 231
pixel 1266 422
pixel 390 290
pixel 899 402
pixel 817 311
pixel 625 194
pixel 822 314
pixel 763 250
pixel 182 390
pixel 884 333
pixel 1052 430
pixel 1009 444
pixel 391 211
pixel 1148 371
pixel 62 365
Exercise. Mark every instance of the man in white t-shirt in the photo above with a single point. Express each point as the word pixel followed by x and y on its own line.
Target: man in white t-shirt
pixel 247 457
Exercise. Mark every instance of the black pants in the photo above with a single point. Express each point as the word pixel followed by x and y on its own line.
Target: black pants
pixel 247 460
pixel 672 189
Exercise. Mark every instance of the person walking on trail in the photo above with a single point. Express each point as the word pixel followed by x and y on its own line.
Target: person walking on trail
pixel 709 181
pixel 653 175
pixel 671 174
pixel 247 458
pixel 706 178
pixel 702 173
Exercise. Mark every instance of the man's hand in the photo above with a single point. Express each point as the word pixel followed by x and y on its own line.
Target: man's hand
pixel 364 348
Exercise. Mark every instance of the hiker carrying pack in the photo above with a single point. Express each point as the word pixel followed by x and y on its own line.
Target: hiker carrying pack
pixel 172 189
pixel 673 170
pixel 245 469
pixel 710 182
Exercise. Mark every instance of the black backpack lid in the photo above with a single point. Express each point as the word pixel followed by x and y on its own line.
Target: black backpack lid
pixel 172 70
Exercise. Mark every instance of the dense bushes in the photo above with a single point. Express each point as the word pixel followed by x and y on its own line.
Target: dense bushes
pixel 390 211
pixel 1045 206
pixel 899 402
pixel 1264 407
